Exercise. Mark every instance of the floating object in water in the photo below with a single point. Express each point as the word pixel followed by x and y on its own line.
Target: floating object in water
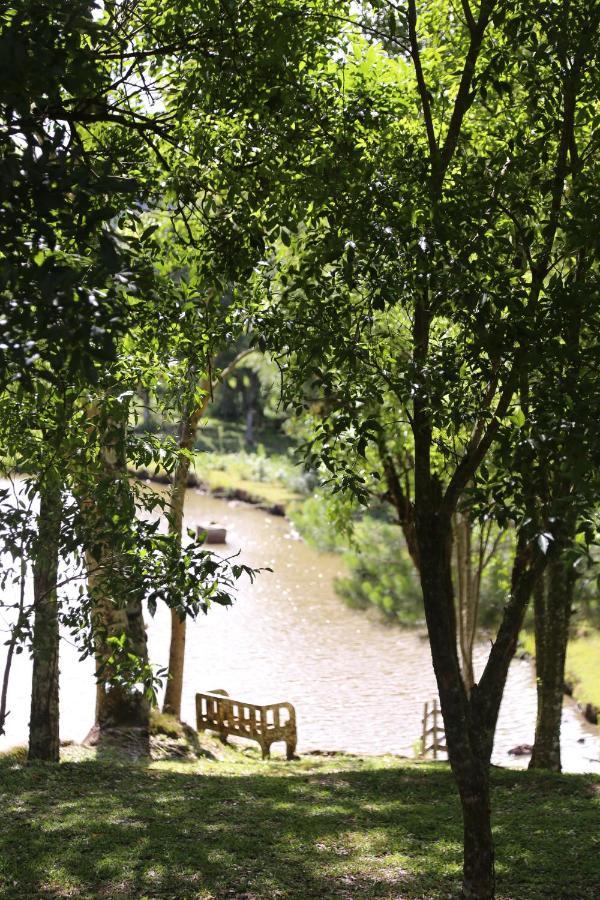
pixel 213 533
pixel 521 750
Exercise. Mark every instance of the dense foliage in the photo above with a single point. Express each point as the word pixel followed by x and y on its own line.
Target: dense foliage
pixel 397 201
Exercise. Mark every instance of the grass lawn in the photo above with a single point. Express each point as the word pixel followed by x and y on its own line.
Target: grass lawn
pixel 582 667
pixel 317 828
pixel 221 436
pixel 228 475
pixel 259 477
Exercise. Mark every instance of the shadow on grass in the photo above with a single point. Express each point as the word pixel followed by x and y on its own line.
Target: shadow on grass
pixel 93 830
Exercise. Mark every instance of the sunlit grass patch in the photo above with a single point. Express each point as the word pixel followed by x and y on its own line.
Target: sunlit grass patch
pixel 583 667
pixel 320 827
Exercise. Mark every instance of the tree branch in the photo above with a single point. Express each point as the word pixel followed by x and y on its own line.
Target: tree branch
pixel 479 446
pixel 469 18
pixel 401 503
pixel 465 94
pixel 528 565
pixel 421 84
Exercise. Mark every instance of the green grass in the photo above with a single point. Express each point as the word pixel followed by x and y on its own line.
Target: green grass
pixel 256 476
pixel 318 828
pixel 224 436
pixel 268 478
pixel 230 475
pixel 582 668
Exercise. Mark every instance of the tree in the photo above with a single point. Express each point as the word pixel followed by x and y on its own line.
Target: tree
pixel 568 484
pixel 78 160
pixel 44 740
pixel 388 225
pixel 187 434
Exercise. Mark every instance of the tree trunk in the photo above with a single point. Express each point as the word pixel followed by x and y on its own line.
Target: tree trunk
pixel 249 437
pixel 117 703
pixel 187 436
pixel 469 720
pixel 553 613
pixel 174 689
pixel 468 754
pixel 467 606
pixel 44 740
pixel 478 866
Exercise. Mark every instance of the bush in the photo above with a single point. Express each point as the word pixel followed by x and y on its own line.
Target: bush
pixel 381 574
pixel 314 519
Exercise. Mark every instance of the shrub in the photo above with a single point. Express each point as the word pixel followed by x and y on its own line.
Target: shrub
pixel 381 574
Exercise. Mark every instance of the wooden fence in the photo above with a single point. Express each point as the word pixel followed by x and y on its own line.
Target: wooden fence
pixel 433 737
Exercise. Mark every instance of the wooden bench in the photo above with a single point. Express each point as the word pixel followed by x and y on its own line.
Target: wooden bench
pixel 217 711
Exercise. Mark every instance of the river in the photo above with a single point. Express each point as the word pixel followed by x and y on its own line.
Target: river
pixel 358 684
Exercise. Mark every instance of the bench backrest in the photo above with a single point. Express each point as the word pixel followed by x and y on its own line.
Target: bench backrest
pixel 219 712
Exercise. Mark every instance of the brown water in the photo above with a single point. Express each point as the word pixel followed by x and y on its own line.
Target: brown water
pixel 357 683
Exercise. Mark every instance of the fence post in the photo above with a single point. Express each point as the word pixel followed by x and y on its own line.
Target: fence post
pixel 437 745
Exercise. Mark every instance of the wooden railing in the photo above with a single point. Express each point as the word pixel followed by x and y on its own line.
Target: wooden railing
pixel 434 732
pixel 217 711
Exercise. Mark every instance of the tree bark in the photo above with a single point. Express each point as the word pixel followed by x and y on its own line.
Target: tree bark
pixel 467 753
pixel 553 614
pixel 469 720
pixel 117 703
pixel 187 436
pixel 554 596
pixel 44 742
pixel 174 689
pixel 478 866
pixel 467 594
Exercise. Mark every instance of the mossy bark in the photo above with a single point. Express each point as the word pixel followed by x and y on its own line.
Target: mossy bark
pixel 118 703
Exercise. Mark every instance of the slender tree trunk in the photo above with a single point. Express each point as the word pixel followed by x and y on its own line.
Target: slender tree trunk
pixel 174 689
pixel 553 613
pixel 187 436
pixel 44 740
pixel 467 611
pixel 15 637
pixel 554 598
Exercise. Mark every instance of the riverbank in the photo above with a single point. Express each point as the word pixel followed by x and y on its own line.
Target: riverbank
pixel 582 670
pixel 272 483
pixel 260 480
pixel 320 827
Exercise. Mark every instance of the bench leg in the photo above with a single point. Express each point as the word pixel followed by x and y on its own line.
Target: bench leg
pixel 265 749
pixel 290 749
pixel 223 737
